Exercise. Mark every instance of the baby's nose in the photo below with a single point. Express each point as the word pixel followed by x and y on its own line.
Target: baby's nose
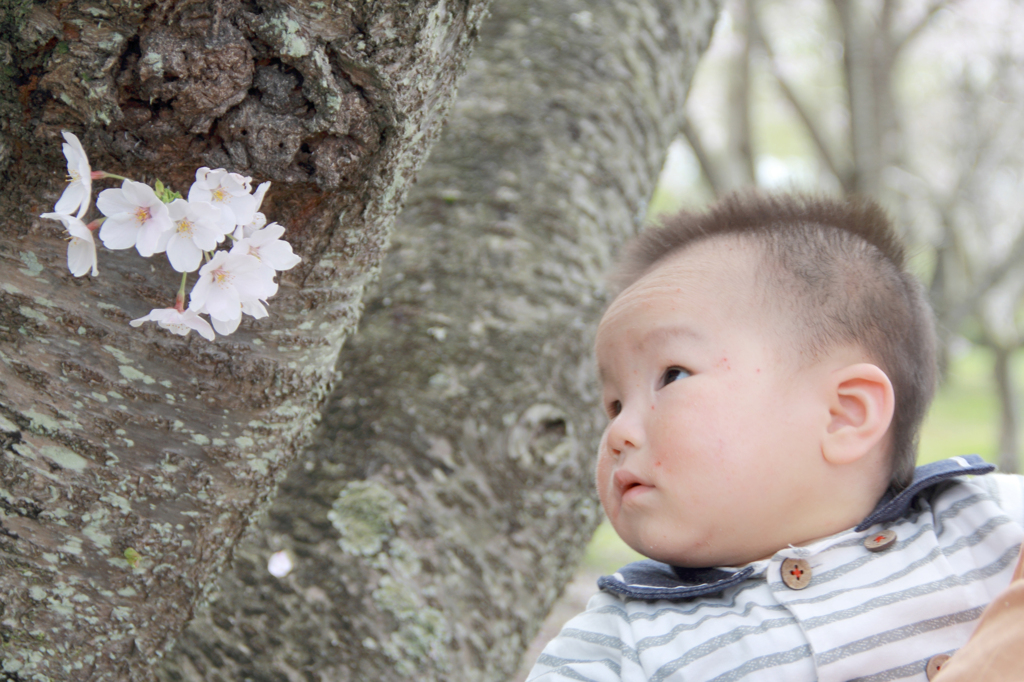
pixel 625 432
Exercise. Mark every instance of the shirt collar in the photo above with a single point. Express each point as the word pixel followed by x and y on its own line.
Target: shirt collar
pixel 651 580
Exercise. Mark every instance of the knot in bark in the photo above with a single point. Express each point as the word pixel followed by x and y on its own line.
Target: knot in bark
pixel 542 433
pixel 201 78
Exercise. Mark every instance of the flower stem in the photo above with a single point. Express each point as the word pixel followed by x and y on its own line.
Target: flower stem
pixel 101 175
pixel 179 301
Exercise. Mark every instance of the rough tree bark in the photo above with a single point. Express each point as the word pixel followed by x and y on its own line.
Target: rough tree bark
pixel 114 438
pixel 449 492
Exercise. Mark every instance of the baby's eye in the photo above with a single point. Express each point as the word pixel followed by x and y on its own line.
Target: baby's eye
pixel 673 374
pixel 614 407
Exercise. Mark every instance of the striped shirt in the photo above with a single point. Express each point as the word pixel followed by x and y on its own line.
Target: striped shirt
pixel 868 616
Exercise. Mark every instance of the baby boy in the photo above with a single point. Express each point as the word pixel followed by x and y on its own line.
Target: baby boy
pixel 765 370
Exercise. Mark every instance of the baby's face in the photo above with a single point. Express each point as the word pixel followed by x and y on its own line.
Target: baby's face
pixel 711 420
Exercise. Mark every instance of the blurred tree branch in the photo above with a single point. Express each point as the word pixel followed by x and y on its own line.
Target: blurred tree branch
pixel 946 167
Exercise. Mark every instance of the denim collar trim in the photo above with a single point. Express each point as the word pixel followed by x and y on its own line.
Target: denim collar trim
pixel 651 580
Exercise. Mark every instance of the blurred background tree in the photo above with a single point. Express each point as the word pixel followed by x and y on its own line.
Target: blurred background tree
pixel 914 103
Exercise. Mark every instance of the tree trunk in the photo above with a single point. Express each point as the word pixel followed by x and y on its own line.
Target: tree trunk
pixel 1009 420
pixel 741 98
pixel 863 93
pixel 449 492
pixel 115 438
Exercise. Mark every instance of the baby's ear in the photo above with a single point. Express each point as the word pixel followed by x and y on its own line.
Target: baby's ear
pixel 861 406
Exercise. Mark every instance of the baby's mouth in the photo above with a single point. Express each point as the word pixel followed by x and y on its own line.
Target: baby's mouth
pixel 628 483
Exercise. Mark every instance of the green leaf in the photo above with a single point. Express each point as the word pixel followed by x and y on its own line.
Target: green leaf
pixel 165 194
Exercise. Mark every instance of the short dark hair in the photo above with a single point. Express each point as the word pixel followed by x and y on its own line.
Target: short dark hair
pixel 842 271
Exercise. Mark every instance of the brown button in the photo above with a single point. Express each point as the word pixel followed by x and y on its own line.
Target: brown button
pixel 935 664
pixel 876 542
pixel 796 573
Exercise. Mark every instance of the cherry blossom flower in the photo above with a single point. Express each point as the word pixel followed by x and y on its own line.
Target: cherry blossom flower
pixel 230 192
pixel 81 245
pixel 195 230
pixel 135 217
pixel 78 193
pixel 231 284
pixel 227 282
pixel 280 564
pixel 178 322
pixel 267 246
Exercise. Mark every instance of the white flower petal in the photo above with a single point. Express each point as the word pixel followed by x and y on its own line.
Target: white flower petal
pixel 225 327
pixel 112 201
pixel 148 241
pixel 119 233
pixel 221 297
pixel 199 294
pixel 278 255
pixel 228 280
pixel 81 247
pixel 270 233
pixel 199 324
pixel 140 194
pixel 64 218
pixel 254 308
pixel 177 209
pixel 242 207
pixel 235 184
pixel 180 323
pixel 79 192
pixel 225 303
pixel 78 229
pixel 73 150
pixel 206 239
pixel 183 254
pixel 255 283
pixel 198 193
pixel 72 199
pixel 82 256
pixel 261 191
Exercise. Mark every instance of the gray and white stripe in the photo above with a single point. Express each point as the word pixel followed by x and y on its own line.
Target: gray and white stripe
pixel 864 616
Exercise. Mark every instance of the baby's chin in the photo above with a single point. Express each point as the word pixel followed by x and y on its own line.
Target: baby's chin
pixel 703 550
pixel 703 556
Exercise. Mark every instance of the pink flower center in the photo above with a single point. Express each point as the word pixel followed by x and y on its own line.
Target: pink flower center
pixel 142 214
pixel 185 227
pixel 222 277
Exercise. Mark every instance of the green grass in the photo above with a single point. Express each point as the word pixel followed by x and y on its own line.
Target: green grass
pixel 964 419
pixel 606 552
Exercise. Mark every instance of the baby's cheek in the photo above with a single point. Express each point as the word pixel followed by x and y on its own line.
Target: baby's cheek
pixel 602 474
